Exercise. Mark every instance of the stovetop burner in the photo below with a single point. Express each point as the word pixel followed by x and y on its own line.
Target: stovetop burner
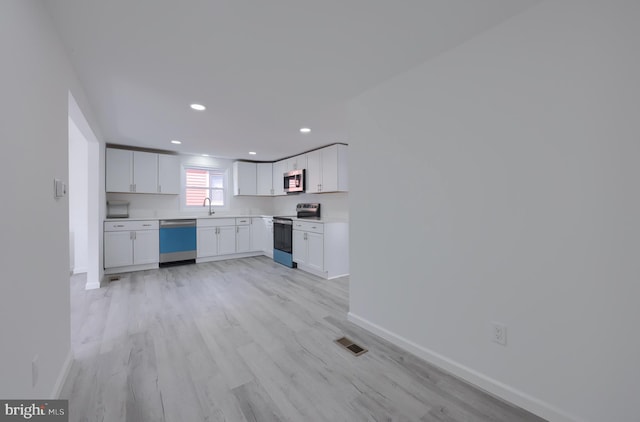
pixel 306 211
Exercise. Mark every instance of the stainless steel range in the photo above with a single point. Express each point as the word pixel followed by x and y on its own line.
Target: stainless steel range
pixel 283 232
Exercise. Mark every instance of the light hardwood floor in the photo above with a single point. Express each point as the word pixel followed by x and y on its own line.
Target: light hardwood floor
pixel 247 340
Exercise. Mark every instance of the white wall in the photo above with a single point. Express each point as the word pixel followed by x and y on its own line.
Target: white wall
pixel 332 205
pixel 34 294
pixel 511 196
pixel 78 199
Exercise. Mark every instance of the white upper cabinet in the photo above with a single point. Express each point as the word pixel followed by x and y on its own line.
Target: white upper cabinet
pixel 119 169
pixel 314 171
pixel 265 179
pixel 327 170
pixel 335 174
pixel 142 172
pixel 145 172
pixel 244 178
pixel 298 162
pixel 279 169
pixel 168 174
pixel 289 164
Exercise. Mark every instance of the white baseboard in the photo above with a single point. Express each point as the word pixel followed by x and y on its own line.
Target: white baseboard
pixel 62 376
pixel 79 270
pixel 225 257
pixel 495 387
pixel 130 268
pixel 91 286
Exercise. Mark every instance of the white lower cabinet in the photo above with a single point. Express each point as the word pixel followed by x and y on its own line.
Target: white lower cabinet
pixel 118 249
pixel 315 251
pixel 258 234
pixel 146 247
pixel 130 244
pixel 226 240
pixel 308 245
pixel 262 235
pixel 207 238
pixel 216 236
pixel 243 235
pixel 299 248
pixel 214 241
pixel 268 250
pixel 321 249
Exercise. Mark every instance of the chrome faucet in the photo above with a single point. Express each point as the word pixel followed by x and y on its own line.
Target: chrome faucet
pixel 204 204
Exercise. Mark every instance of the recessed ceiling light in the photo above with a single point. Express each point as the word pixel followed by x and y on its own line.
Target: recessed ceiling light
pixel 176 142
pixel 252 153
pixel 305 130
pixel 198 107
pixel 205 155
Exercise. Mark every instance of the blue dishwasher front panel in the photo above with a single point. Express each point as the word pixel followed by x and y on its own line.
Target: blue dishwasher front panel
pixel 177 241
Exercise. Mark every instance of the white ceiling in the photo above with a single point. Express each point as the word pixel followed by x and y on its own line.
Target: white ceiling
pixel 264 69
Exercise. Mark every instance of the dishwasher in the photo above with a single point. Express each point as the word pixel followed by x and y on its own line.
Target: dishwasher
pixel 177 241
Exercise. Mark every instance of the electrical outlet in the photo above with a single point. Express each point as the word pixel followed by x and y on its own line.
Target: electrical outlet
pixel 499 333
pixel 34 371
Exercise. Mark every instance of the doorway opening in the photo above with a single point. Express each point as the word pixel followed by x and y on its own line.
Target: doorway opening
pixel 84 198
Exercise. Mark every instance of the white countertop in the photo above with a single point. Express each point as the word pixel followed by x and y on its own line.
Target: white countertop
pixel 186 217
pixel 190 217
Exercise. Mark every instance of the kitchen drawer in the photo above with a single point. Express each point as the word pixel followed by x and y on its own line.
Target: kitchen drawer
pixel 117 226
pixel 308 226
pixel 216 222
pixel 243 221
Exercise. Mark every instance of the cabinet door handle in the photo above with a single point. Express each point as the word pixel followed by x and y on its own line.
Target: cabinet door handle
pixel 237 229
pixel 119 225
pixel 159 189
pixel 146 225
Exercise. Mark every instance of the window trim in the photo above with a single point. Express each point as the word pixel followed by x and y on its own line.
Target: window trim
pixel 183 187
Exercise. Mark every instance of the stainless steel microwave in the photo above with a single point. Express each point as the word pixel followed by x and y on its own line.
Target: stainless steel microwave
pixel 294 181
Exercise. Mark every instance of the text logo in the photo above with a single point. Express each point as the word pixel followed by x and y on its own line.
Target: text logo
pixel 36 410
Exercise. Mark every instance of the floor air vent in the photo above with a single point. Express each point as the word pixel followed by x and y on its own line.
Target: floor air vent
pixel 351 346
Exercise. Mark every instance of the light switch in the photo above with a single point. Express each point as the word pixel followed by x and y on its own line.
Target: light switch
pixel 60 188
